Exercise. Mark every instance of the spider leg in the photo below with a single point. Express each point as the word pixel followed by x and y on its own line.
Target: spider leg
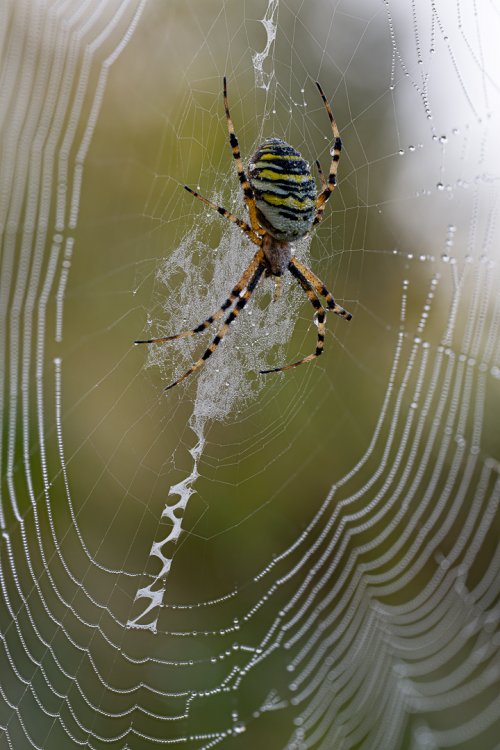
pixel 321 175
pixel 330 185
pixel 242 224
pixel 244 296
pixel 241 284
pixel 248 194
pixel 277 289
pixel 319 287
pixel 319 319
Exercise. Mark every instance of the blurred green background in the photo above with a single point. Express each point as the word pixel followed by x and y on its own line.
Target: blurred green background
pixel 413 208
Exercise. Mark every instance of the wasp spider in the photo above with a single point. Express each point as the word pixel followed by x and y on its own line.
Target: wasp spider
pixel 282 203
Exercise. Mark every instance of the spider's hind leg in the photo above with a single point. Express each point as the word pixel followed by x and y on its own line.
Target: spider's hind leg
pixel 228 215
pixel 330 184
pixel 248 194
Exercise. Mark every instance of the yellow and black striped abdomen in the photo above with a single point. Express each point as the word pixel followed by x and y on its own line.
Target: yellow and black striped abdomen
pixel 284 190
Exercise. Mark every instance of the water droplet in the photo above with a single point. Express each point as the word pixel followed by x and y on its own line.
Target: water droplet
pixel 440 186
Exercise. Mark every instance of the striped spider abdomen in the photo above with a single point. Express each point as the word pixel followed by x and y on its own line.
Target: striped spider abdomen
pixel 284 190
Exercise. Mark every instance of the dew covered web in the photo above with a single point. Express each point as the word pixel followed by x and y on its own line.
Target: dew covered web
pixel 303 560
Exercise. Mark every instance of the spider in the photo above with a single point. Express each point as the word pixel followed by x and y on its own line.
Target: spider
pixel 283 205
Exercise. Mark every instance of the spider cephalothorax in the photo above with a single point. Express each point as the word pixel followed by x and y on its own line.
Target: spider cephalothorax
pixel 283 205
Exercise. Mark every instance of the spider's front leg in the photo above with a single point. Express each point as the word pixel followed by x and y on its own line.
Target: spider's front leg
pixel 296 266
pixel 243 298
pixel 312 286
pixel 277 288
pixel 235 292
pixel 320 315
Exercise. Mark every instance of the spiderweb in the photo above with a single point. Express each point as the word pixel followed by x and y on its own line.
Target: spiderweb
pixel 305 560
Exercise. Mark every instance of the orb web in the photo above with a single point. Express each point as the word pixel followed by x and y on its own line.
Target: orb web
pixel 310 557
